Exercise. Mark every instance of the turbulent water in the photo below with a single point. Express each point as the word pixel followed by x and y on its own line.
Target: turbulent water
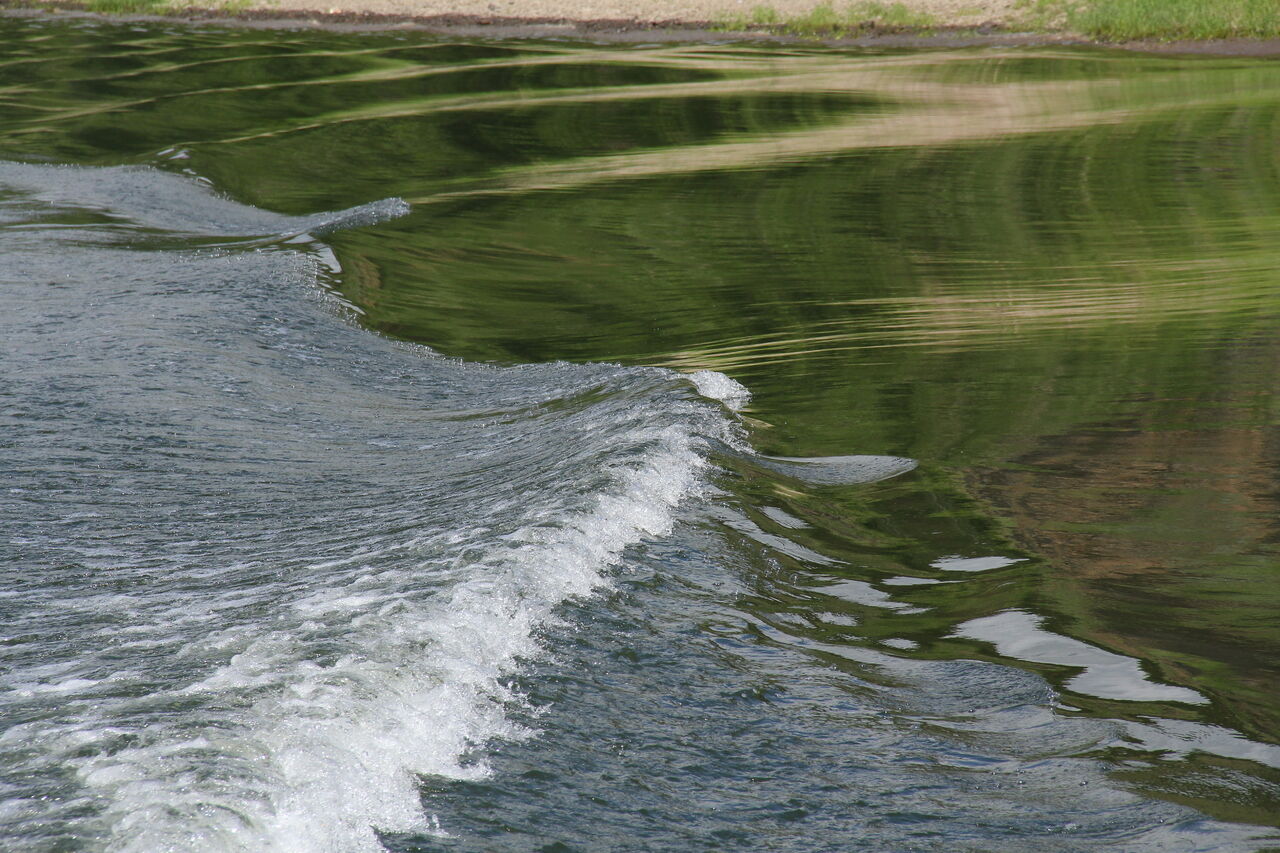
pixel 416 445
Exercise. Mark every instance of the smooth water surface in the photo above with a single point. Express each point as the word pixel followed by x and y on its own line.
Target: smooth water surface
pixel 432 446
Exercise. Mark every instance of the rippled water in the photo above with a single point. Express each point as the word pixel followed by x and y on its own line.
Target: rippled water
pixel 420 445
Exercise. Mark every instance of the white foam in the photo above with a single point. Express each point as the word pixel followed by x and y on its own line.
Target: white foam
pixel 331 750
pixel 716 386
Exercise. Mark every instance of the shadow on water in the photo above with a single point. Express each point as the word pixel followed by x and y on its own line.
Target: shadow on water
pixel 1049 276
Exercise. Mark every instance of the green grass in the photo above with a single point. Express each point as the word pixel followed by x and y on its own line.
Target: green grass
pixel 126 7
pixel 160 7
pixel 1117 20
pixel 1044 14
pixel 1123 20
pixel 1106 20
pixel 890 15
pixel 826 20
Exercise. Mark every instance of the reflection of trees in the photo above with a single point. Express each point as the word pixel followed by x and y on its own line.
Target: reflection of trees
pixel 1160 526
pixel 985 305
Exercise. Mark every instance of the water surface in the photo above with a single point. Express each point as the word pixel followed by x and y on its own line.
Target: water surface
pixel 422 445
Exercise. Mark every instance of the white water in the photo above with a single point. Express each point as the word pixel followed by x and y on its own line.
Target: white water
pixel 297 561
pixel 335 748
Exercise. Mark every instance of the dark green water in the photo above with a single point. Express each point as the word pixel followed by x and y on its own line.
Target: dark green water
pixel 1050 276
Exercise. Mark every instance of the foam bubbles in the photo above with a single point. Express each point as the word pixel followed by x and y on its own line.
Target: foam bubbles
pixel 328 752
pixel 290 578
pixel 717 386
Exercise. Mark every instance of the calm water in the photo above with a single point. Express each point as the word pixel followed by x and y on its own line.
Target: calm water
pixel 436 446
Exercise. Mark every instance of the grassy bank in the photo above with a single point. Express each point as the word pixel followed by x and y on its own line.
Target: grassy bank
pixel 1106 20
pixel 826 19
pixel 1119 20
pixel 161 7
pixel 1103 20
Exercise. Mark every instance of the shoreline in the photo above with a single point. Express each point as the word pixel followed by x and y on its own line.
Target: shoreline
pixel 634 30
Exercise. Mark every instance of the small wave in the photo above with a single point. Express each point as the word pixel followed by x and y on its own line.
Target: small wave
pixel 327 586
pixel 324 587
pixel 336 749
pixel 177 204
pixel 717 386
pixel 839 470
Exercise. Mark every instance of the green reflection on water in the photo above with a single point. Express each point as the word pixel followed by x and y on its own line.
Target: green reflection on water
pixel 1050 276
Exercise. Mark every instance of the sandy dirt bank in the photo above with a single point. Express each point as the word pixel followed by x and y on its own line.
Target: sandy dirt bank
pixel 948 13
pixel 953 23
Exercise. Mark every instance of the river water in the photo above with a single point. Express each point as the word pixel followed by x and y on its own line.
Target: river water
pixel 426 445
